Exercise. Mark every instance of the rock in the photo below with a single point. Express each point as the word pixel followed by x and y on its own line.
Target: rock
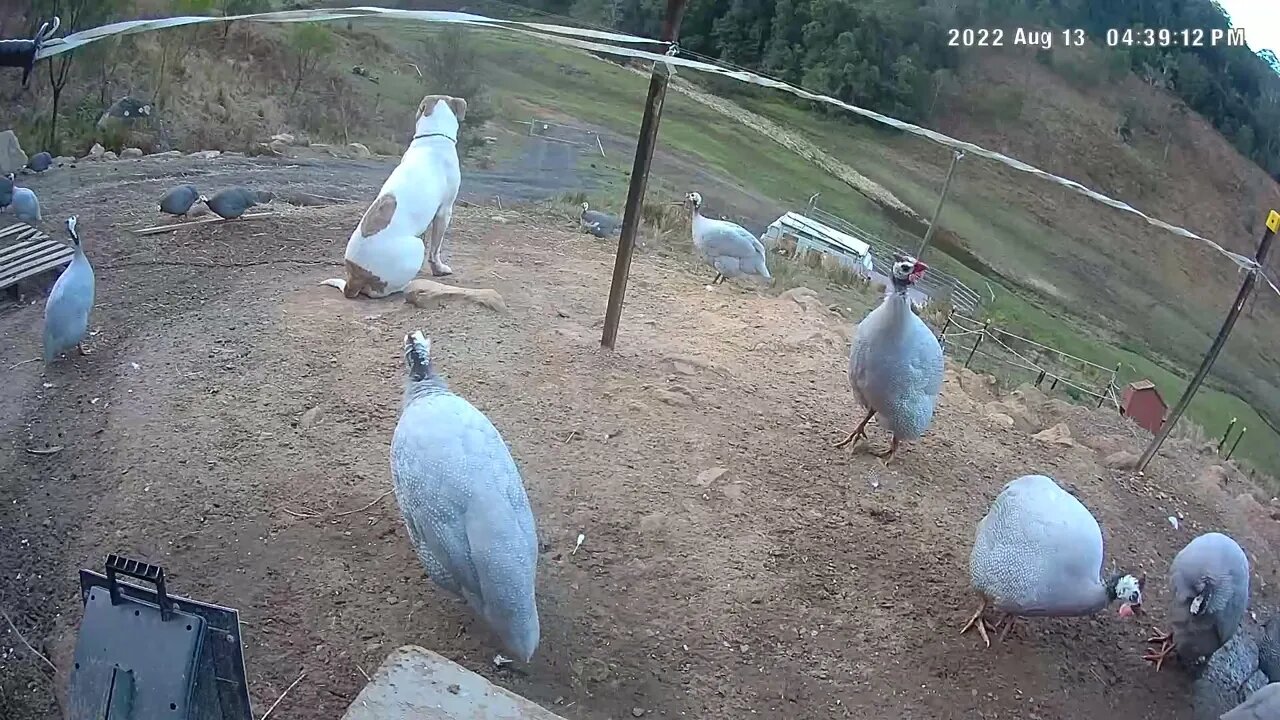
pixel 63 160
pixel 96 152
pixel 1000 420
pixel 1059 434
pixel 673 398
pixel 131 153
pixel 283 138
pixel 806 298
pixel 637 712
pixel 279 148
pixel 710 475
pixel 422 293
pixel 110 155
pixel 204 154
pixel 260 149
pixel 1121 460
pixel 168 154
pixel 309 418
pixel 12 158
pixel 1021 419
pixel 359 150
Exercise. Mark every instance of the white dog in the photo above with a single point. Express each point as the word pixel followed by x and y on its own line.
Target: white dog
pixel 386 250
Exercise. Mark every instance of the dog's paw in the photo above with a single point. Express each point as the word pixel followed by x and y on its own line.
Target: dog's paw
pixel 439 269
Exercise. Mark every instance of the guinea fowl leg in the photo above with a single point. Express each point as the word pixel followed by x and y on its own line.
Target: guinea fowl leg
pixel 887 455
pixel 979 622
pixel 1166 648
pixel 858 432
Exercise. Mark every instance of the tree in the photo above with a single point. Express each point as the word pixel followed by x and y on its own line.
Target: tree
pixel 450 60
pixel 75 15
pixel 310 42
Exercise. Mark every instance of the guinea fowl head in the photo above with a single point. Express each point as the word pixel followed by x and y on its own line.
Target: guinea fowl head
pixel 585 207
pixel 693 200
pixel 1128 590
pixel 71 230
pixel 906 271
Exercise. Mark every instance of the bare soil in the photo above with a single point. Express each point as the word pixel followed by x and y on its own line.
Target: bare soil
pixel 233 414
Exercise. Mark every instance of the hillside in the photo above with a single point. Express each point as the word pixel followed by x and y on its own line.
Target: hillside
pixel 1060 269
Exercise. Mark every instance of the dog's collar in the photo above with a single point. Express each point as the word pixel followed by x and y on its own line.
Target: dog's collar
pixel 452 139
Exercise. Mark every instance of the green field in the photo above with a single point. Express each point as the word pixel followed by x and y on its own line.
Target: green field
pixel 527 78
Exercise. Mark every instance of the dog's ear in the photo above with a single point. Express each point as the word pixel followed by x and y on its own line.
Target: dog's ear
pixel 459 107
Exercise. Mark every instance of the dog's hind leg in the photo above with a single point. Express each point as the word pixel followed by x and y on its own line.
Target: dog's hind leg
pixel 438 227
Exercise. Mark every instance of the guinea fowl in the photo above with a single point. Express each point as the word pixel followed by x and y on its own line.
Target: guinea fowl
pixel 1208 597
pixel 600 224
pixel 6 191
pixel 895 364
pixel 464 504
pixel 1038 553
pixel 40 162
pixel 26 206
pixel 1262 705
pixel 179 200
pixel 730 249
pixel 232 203
pixel 66 313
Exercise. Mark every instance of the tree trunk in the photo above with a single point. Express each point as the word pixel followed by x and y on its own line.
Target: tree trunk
pixel 53 119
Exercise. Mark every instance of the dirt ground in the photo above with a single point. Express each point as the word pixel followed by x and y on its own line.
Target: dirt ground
pixel 233 414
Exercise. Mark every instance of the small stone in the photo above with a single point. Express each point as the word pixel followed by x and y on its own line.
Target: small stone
pixel 454 689
pixel 637 712
pixel 710 475
pixel 1121 460
pixel 110 155
pixel 285 138
pixel 1000 420
pixel 674 398
pixel 309 418
pixel 131 153
pixel 205 154
pixel 1059 434
pixel 96 151
pixel 359 150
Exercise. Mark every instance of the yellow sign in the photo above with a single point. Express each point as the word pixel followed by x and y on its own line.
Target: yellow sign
pixel 1273 221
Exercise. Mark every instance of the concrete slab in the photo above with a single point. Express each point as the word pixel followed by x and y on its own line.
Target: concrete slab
pixel 414 683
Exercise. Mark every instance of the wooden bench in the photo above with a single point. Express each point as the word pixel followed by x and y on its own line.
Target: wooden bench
pixel 26 252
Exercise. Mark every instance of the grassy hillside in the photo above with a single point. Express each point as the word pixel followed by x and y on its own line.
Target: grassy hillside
pixel 1064 271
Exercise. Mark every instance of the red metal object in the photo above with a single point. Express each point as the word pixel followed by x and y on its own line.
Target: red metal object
pixel 1142 402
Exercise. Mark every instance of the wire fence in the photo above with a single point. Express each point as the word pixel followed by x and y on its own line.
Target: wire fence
pixel 1007 355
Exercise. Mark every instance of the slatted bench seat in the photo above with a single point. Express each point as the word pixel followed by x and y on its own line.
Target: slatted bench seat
pixel 26 252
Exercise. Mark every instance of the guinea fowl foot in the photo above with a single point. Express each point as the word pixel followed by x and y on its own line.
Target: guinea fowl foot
pixel 979 622
pixel 1166 648
pixel 858 432
pixel 887 455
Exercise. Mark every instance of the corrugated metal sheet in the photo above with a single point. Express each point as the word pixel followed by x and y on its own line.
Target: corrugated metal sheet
pixel 798 224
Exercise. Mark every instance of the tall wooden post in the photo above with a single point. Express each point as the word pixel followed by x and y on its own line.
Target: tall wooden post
pixel 942 200
pixel 1250 279
pixel 640 177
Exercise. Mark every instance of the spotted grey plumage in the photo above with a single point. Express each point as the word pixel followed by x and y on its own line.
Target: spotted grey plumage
pixel 6 190
pixel 66 312
pixel 232 203
pixel 728 248
pixel 1261 705
pixel 178 200
pixel 1208 597
pixel 1038 553
pixel 26 206
pixel 464 504
pixel 40 162
pixel 600 224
